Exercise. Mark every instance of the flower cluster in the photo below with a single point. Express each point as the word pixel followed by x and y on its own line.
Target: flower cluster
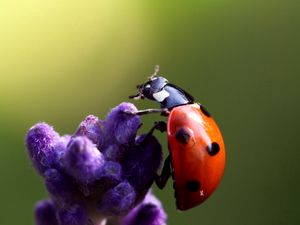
pixel 100 175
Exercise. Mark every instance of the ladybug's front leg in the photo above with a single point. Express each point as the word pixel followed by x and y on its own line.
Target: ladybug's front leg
pixel 163 112
pixel 158 125
pixel 162 179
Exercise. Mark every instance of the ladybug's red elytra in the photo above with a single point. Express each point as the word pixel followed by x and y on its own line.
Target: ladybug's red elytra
pixel 197 152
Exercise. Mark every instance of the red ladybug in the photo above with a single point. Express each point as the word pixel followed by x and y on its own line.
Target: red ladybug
pixel 197 152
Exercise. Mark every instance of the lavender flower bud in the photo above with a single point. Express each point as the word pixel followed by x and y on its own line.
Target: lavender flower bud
pixel 149 212
pixel 92 128
pixel 61 148
pixel 40 141
pixel 74 215
pixel 110 175
pixel 62 143
pixel 141 162
pixel 82 160
pixel 118 200
pixel 113 152
pixel 45 213
pixel 123 126
pixel 61 188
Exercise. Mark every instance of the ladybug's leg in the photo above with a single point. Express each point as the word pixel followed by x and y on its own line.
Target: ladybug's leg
pixel 158 125
pixel 163 112
pixel 161 180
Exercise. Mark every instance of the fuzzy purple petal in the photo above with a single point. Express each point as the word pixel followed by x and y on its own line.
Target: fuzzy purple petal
pixel 92 128
pixel 45 213
pixel 40 141
pixel 62 143
pixel 149 212
pixel 113 152
pixel 141 162
pixel 74 215
pixel 118 200
pixel 61 188
pixel 61 148
pixel 82 160
pixel 111 175
pixel 123 126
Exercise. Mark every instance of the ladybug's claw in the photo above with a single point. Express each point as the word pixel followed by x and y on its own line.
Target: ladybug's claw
pixel 160 125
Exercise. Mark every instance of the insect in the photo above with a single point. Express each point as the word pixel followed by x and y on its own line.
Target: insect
pixel 196 158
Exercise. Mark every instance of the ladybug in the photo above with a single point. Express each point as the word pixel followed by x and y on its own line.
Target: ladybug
pixel 196 158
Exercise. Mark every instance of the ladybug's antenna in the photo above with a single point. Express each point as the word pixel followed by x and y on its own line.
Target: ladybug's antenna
pixel 156 70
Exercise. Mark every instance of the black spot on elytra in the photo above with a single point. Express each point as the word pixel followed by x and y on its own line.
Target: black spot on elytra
pixel 182 136
pixel 213 148
pixel 204 111
pixel 192 185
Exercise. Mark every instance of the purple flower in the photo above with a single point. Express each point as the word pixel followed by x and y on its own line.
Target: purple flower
pixel 111 175
pixel 61 188
pixel 92 128
pixel 148 212
pixel 40 141
pixel 123 125
pixel 82 160
pixel 147 151
pixel 74 215
pixel 45 213
pixel 113 152
pixel 118 200
pixel 102 172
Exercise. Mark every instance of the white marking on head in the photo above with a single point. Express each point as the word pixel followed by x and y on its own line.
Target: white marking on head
pixel 148 86
pixel 161 95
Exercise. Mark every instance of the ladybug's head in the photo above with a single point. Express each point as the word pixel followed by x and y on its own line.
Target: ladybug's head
pixel 152 88
pixel 157 88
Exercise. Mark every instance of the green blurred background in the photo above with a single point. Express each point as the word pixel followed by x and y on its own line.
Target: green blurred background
pixel 62 60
